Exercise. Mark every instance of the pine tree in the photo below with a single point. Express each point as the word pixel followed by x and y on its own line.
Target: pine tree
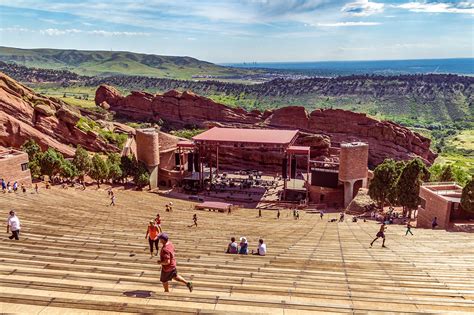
pixel 51 162
pixel 384 182
pixel 447 174
pixel 99 169
pixel 34 157
pixel 467 197
pixel 408 184
pixel 82 162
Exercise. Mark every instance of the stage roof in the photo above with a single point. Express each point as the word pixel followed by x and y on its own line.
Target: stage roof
pixel 253 136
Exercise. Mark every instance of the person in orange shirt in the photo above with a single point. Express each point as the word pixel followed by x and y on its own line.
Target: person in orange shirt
pixel 152 233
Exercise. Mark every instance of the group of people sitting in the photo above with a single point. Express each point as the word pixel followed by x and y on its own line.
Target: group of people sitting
pixel 243 247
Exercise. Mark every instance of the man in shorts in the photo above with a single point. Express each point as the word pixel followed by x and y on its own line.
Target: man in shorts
pixel 380 234
pixel 168 264
pixel 13 225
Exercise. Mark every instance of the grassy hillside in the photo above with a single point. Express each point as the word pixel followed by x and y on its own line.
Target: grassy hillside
pixel 105 63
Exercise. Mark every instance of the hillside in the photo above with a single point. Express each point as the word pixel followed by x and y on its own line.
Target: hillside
pixel 105 63
pixel 51 122
pixel 414 100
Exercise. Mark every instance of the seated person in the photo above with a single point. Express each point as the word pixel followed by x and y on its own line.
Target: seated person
pixel 244 246
pixel 232 248
pixel 262 248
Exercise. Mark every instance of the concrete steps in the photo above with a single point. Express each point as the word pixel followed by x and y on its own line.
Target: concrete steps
pixel 74 256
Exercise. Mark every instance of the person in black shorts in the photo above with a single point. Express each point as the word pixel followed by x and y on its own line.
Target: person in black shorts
pixel 168 264
pixel 380 234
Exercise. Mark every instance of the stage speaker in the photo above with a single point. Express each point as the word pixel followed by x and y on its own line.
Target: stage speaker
pixel 284 168
pixel 190 161
pixel 293 167
pixel 196 162
pixel 176 159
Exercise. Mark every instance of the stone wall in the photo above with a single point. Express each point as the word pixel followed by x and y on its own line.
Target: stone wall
pixel 11 169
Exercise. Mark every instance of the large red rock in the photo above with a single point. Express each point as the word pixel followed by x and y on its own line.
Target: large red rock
pixel 52 123
pixel 386 139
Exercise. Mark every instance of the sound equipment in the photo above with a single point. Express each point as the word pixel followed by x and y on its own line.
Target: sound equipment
pixel 190 162
pixel 177 159
pixel 284 170
pixel 196 162
pixel 293 167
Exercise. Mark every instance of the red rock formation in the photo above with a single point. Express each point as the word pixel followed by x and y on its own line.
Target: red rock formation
pixel 52 123
pixel 386 139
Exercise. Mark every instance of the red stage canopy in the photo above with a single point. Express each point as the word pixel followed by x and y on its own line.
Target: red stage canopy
pixel 248 136
pixel 294 149
pixel 185 144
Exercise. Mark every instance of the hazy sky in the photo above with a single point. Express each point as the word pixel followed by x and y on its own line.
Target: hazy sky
pixel 246 30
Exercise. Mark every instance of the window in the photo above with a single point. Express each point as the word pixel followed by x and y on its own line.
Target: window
pixel 24 167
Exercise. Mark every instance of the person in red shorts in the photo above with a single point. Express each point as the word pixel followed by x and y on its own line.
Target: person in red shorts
pixel 168 264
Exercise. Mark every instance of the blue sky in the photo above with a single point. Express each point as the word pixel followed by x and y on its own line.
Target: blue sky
pixel 246 30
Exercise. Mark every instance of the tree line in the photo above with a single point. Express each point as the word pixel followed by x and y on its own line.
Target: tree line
pixel 398 183
pixel 111 168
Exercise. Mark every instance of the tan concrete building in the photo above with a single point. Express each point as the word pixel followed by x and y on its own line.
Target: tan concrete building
pixel 441 200
pixel 14 166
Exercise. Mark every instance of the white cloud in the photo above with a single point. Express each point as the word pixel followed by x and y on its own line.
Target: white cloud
pixel 60 32
pixel 363 8
pixel 342 24
pixel 439 7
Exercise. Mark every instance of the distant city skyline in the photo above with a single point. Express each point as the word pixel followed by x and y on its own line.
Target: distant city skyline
pixel 236 31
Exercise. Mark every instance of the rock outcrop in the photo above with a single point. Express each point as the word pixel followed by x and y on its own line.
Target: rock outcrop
pixel 361 203
pixel 52 123
pixel 179 110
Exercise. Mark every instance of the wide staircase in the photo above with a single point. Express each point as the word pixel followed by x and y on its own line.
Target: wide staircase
pixel 79 255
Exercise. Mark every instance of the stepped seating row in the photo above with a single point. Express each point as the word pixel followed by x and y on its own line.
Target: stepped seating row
pixel 78 254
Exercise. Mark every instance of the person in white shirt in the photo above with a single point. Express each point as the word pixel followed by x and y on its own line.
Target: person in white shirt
pixel 262 248
pixel 13 225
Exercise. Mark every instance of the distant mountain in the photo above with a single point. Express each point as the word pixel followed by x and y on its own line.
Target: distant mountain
pixel 106 63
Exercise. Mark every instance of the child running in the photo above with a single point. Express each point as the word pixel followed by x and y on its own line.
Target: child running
pixel 152 235
pixel 380 234
pixel 408 229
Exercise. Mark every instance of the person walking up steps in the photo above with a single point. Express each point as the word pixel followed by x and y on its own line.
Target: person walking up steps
pixel 158 222
pixel 434 223
pixel 168 264
pixel 259 213
pixel 321 214
pixel 408 229
pixel 112 199
pixel 13 225
pixel 380 234
pixel 278 214
pixel 152 235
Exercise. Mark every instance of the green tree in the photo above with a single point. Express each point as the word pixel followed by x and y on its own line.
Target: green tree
pixel 82 162
pixel 31 148
pixel 68 170
pixel 114 164
pixel 447 174
pixel 99 170
pixel 408 184
pixel 467 197
pixel 141 176
pixel 129 166
pixel 34 157
pixel 384 182
pixel 50 163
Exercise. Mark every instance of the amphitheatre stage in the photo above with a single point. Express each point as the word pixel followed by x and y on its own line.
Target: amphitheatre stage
pixel 78 255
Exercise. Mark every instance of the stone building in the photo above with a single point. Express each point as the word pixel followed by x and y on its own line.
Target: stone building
pixel 441 200
pixel 14 166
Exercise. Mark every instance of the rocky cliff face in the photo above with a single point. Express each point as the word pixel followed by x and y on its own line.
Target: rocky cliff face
pixel 386 139
pixel 52 123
